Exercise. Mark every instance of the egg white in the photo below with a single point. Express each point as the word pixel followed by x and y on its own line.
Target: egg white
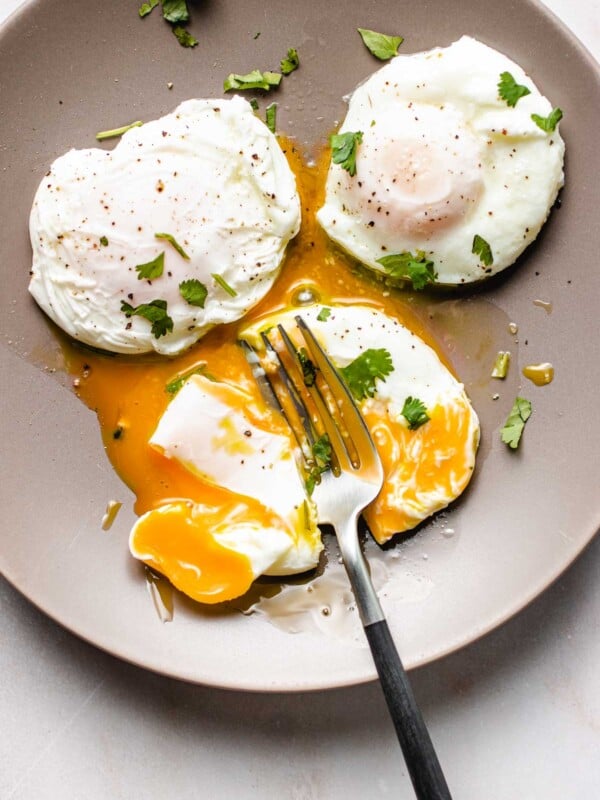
pixel 444 158
pixel 211 175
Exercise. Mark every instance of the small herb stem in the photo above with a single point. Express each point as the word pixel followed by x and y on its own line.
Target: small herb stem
pixel 118 131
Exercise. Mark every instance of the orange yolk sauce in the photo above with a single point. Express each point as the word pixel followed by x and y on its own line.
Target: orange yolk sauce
pixel 129 395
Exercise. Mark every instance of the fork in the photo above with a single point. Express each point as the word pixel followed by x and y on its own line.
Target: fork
pixel 354 480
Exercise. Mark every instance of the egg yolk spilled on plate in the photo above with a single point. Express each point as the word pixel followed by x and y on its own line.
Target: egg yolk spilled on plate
pixel 186 516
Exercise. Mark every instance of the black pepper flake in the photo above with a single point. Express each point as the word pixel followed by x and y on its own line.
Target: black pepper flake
pixel 118 432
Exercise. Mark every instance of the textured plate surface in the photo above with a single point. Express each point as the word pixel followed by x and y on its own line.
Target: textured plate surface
pixel 69 70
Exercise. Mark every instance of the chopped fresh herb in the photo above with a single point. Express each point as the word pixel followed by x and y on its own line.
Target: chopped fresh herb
pixel 320 462
pixel 309 371
pixel 361 374
pixel 380 45
pixel 155 312
pixel 550 122
pixel 118 131
pixel 175 385
pixel 175 10
pixel 501 364
pixel 482 249
pixel 193 292
pixel 343 149
pixel 254 104
pixel 513 427
pixel 256 35
pixel 414 412
pixel 416 268
pixel 271 117
pixel 174 242
pixel 146 8
pixel 252 80
pixel 323 314
pixel 151 270
pixel 220 280
pixel 290 62
pixel 510 90
pixel 184 37
pixel 118 432
pixel 104 241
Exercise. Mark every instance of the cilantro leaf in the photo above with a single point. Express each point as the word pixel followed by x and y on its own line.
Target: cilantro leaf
pixel 254 104
pixel 175 385
pixel 416 268
pixel 513 427
pixel 193 292
pixel 151 270
pixel 146 8
pixel 104 241
pixel 321 462
pixel 220 281
pixel 290 62
pixel 184 37
pixel 380 45
pixel 155 312
pixel 343 149
pixel 550 122
pixel 482 249
pixel 415 413
pixel 271 117
pixel 309 371
pixel 174 242
pixel 510 90
pixel 252 80
pixel 361 374
pixel 323 314
pixel 175 10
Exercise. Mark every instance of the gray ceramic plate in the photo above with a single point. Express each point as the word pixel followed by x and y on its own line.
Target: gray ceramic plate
pixel 69 69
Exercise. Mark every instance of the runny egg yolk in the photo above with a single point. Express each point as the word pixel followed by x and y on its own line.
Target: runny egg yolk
pixel 422 468
pixel 130 395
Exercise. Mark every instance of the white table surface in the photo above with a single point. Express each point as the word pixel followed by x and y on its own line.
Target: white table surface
pixel 514 716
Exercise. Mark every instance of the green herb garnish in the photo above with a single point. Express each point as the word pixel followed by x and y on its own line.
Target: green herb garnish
pixel 309 371
pixel 252 80
pixel 290 62
pixel 416 268
pixel 151 270
pixel 323 314
pixel 550 122
pixel 146 8
pixel 184 37
pixel 510 90
pixel 174 242
pixel 175 10
pixel 193 292
pixel 415 413
pixel 220 280
pixel 361 374
pixel 482 249
pixel 118 131
pixel 343 149
pixel 501 364
pixel 104 241
pixel 320 462
pixel 513 427
pixel 254 104
pixel 175 385
pixel 155 312
pixel 271 117
pixel 380 45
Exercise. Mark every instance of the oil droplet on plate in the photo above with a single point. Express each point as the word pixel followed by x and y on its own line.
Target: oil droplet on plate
pixel 540 374
pixel 161 592
pixel 546 305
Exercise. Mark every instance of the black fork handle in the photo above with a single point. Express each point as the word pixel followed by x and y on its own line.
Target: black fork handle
pixel 421 759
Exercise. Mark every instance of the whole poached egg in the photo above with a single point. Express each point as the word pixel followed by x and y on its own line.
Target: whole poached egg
pixel 181 227
pixel 444 159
